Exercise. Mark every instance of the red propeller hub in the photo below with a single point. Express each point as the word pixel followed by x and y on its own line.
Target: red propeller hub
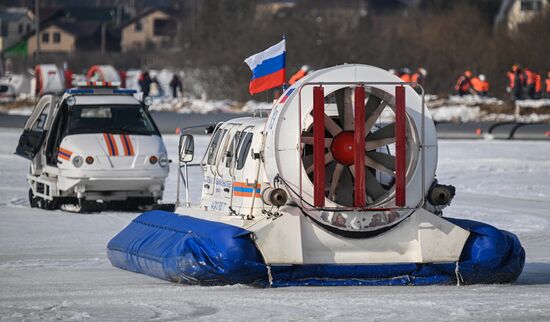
pixel 343 147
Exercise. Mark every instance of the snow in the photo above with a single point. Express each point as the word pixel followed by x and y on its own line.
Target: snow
pixel 465 113
pixel 534 103
pixel 53 264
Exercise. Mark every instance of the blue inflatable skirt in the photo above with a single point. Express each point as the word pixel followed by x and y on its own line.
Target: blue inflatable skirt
pixel 188 250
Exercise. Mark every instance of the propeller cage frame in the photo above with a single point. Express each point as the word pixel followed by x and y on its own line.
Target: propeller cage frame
pixel 401 127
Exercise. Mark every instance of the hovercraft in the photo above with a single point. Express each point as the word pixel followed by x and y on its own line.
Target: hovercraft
pixel 335 187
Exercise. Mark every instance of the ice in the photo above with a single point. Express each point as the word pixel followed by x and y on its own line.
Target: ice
pixel 53 264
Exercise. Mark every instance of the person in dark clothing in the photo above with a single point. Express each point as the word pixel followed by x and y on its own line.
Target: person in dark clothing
pixel 175 85
pixel 145 83
pixel 516 81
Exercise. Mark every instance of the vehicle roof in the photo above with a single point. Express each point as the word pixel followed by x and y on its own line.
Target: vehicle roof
pixel 106 99
pixel 257 123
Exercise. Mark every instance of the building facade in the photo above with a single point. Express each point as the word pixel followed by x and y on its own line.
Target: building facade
pixel 15 23
pixel 151 28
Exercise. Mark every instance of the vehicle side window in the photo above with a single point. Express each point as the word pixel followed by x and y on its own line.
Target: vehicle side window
pixel 218 136
pixel 232 149
pixel 41 120
pixel 246 142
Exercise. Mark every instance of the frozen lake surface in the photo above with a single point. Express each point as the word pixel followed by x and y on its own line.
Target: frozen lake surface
pixel 53 264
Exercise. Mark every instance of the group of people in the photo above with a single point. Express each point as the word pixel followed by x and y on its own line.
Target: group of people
pixel 527 83
pixel 146 83
pixel 468 84
pixel 419 76
pixel 523 83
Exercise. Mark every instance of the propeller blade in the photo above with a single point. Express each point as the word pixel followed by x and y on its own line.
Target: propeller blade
pixel 373 145
pixel 333 128
pixel 373 109
pixel 377 166
pixel 328 159
pixel 344 104
pixel 387 131
pixel 374 188
pixel 335 180
pixel 309 140
pixel 307 160
pixel 384 159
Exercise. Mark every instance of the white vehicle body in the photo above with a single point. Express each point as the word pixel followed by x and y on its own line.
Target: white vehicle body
pixel 248 158
pixel 76 152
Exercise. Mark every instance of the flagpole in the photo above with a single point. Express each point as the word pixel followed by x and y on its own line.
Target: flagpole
pixel 284 84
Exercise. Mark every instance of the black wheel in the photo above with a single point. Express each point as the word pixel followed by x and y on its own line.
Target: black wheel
pixel 40 202
pixel 51 204
pixel 32 200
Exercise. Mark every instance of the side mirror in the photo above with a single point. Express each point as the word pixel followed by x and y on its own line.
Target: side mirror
pixel 186 148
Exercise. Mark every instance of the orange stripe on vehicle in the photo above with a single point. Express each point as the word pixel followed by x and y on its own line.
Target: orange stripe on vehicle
pixel 65 151
pixel 130 145
pixel 63 156
pixel 106 138
pixel 114 144
pixel 124 144
pixel 127 144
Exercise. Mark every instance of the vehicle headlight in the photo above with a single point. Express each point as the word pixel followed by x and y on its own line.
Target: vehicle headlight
pixel 163 160
pixel 71 100
pixel 148 101
pixel 78 161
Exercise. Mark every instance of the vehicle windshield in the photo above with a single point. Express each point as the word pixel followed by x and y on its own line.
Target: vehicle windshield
pixel 124 119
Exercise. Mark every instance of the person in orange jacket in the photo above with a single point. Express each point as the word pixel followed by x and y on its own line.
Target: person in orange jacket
pixel 299 74
pixel 480 85
pixel 530 76
pixel 516 81
pixel 464 84
pixel 405 75
pixel 538 86
pixel 547 83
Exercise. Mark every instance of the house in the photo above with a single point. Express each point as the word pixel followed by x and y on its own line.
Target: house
pixel 66 38
pixel 513 13
pixel 15 23
pixel 154 27
pixel 67 30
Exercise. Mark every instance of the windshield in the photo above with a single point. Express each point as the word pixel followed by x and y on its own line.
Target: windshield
pixel 126 119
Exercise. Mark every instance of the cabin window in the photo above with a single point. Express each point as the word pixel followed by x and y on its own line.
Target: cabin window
pixel 232 149
pixel 116 119
pixel 41 121
pixel 20 28
pixel 138 26
pixel 246 142
pixel 216 139
pixel 45 37
pixel 56 37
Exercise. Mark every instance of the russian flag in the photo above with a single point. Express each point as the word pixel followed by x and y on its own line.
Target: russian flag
pixel 268 68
